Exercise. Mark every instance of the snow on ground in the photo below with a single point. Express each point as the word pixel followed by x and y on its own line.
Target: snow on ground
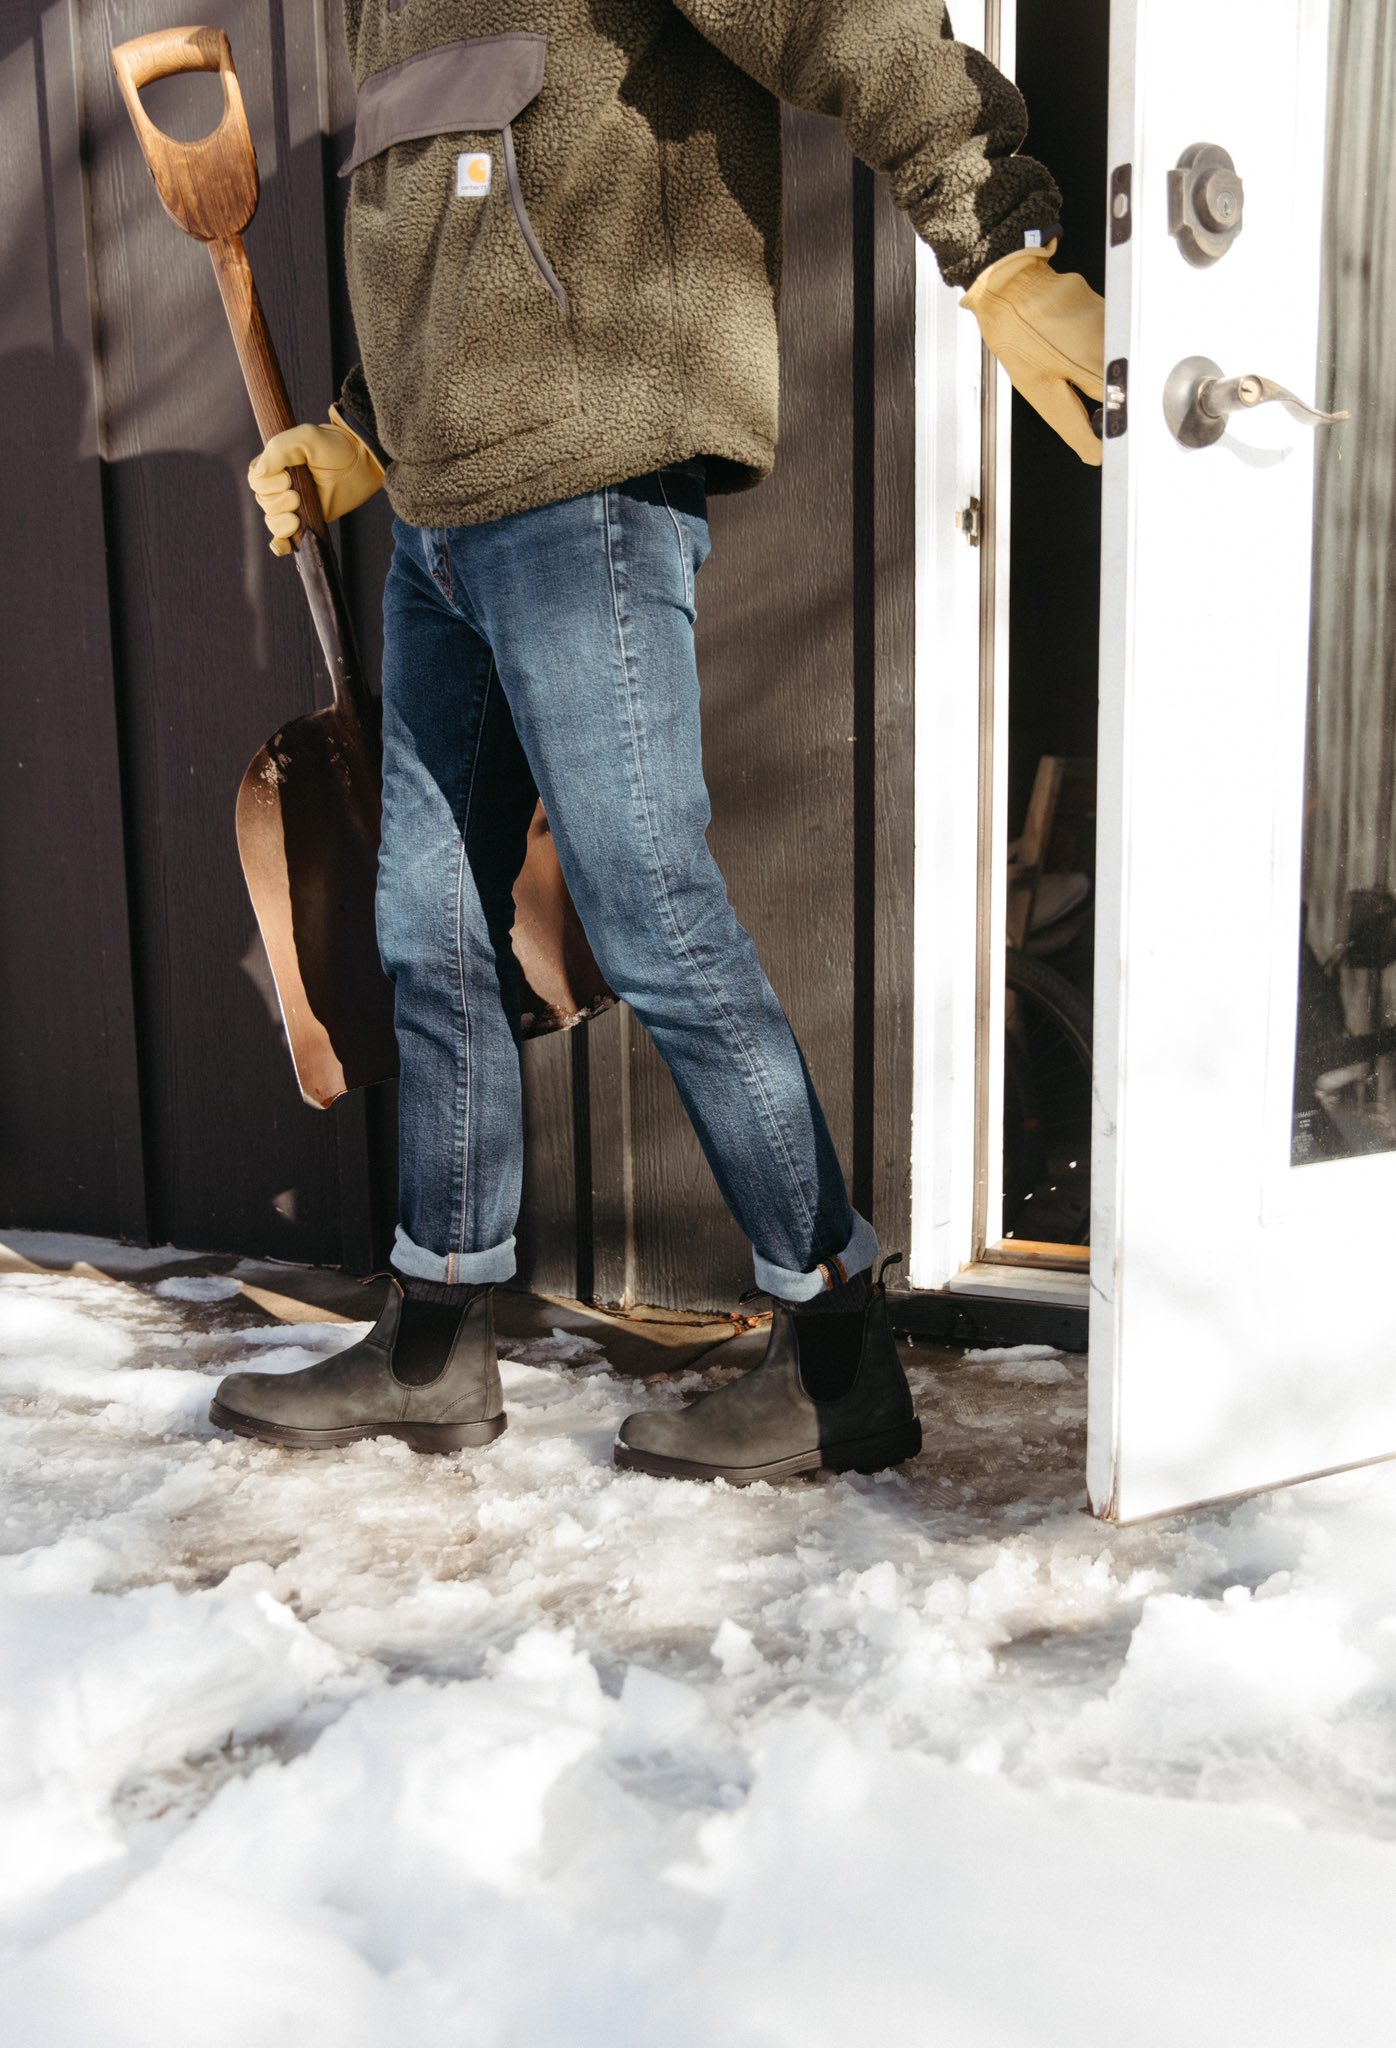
pixel 511 1750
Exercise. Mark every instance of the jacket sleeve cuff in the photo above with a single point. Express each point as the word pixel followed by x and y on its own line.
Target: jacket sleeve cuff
pixel 1032 223
pixel 355 408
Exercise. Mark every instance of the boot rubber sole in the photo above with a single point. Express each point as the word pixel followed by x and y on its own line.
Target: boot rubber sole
pixel 419 1436
pixel 866 1454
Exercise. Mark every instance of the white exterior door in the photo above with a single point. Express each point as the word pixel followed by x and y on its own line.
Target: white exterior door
pixel 1243 1311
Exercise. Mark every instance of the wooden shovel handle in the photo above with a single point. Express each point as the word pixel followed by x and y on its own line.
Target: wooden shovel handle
pixel 261 372
pixel 209 188
pixel 165 52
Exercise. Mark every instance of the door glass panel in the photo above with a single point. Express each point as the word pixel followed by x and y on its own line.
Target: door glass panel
pixel 1345 1069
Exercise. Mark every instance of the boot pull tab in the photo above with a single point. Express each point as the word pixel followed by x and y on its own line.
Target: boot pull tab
pixel 892 1259
pixel 381 1273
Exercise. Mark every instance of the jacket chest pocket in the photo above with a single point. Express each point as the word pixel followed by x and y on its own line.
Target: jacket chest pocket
pixel 464 324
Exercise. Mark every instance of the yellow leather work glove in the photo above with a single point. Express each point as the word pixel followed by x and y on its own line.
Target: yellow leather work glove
pixel 1047 328
pixel 345 469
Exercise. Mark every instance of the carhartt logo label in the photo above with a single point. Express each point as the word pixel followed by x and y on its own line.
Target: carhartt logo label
pixel 473 173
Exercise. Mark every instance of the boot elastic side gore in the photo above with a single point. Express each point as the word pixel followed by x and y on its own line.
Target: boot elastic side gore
pixel 356 1394
pixel 766 1426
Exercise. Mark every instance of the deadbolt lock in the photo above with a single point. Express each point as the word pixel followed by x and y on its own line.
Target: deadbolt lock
pixel 1206 200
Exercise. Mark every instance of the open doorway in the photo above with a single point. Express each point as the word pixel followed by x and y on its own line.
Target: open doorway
pixel 1061 64
pixel 1007 656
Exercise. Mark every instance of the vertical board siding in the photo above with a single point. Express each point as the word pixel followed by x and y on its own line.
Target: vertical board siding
pixel 146 1086
pixel 889 790
pixel 547 1227
pixel 213 647
pixel 70 1147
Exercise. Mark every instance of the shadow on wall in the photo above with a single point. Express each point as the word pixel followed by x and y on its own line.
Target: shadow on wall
pixel 191 708
pixel 67 1090
pixel 145 615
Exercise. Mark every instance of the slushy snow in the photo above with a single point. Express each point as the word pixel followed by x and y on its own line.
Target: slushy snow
pixel 511 1750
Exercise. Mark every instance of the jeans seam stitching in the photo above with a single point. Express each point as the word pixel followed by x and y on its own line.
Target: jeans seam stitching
pixel 678 534
pixel 463 1150
pixel 773 1120
pixel 463 1083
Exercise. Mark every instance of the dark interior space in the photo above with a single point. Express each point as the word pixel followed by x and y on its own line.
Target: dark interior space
pixel 1063 71
pixel 1062 68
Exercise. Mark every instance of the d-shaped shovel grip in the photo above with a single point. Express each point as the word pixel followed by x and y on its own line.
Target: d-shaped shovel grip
pixel 209 188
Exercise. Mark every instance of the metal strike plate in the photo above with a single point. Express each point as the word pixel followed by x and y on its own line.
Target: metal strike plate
pixel 1110 420
pixel 1121 204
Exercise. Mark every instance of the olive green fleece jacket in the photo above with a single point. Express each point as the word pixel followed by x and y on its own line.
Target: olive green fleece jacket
pixel 563 236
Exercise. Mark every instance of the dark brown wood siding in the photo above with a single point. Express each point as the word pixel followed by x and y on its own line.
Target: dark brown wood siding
pixel 150 642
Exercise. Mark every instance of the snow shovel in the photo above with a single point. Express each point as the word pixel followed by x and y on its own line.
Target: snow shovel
pixel 309 804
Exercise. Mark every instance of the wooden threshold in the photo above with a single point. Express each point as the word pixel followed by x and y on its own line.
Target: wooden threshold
pixel 1022 1283
pixel 1026 1251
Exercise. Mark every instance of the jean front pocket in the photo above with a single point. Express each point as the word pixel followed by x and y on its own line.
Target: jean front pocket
pixel 464 324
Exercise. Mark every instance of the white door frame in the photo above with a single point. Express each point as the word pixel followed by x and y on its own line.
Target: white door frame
pixel 961 763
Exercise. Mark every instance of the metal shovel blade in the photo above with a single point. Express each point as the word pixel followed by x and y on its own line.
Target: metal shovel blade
pixel 307 832
pixel 307 829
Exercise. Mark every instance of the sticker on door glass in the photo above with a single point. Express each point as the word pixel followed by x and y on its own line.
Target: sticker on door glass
pixel 473 171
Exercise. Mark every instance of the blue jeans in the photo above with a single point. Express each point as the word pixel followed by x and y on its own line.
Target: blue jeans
pixel 551 653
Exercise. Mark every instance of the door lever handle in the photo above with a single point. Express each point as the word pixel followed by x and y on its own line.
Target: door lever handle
pixel 1198 400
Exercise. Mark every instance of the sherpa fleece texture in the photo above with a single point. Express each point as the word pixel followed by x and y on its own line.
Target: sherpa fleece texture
pixel 649 166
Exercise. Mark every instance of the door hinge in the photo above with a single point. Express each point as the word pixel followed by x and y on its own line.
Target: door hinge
pixel 967 519
pixel 1121 204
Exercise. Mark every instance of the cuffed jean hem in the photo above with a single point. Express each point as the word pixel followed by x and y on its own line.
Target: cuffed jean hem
pixel 791 1285
pixel 457 1269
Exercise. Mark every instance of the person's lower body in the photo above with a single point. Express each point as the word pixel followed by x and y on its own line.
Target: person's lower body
pixel 552 652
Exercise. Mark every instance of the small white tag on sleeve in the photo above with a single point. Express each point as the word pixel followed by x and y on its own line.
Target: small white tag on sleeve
pixel 1032 238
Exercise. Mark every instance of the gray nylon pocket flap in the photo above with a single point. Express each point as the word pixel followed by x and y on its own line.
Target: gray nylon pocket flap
pixel 481 82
